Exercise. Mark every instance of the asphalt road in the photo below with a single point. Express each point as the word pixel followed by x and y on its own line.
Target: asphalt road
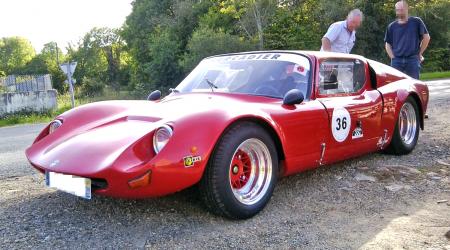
pixel 327 208
pixel 13 142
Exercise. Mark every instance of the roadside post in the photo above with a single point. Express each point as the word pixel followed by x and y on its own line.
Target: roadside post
pixel 69 69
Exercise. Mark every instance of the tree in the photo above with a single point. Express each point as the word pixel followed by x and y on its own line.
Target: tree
pixel 253 15
pixel 157 33
pixel 101 57
pixel 207 42
pixel 294 26
pixel 15 53
pixel 163 69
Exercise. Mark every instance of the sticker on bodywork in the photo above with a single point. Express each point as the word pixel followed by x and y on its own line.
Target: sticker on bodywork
pixel 357 133
pixel 340 124
pixel 189 161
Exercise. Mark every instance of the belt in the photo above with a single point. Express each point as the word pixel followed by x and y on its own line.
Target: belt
pixel 407 57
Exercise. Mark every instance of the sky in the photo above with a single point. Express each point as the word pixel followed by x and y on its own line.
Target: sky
pixel 62 21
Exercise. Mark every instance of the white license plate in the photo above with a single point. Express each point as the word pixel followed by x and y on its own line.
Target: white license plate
pixel 75 185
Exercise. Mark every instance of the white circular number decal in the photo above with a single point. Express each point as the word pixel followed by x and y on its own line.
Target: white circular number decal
pixel 340 124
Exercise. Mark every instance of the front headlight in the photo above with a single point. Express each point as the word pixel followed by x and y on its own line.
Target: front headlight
pixel 54 126
pixel 161 137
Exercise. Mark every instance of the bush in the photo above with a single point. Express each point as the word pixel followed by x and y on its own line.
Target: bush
pixel 207 42
pixel 437 60
pixel 92 87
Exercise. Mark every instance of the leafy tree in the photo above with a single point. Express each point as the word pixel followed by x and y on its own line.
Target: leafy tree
pixel 207 42
pixel 100 56
pixel 163 69
pixel 253 16
pixel 293 27
pixel 157 33
pixel 15 53
pixel 46 62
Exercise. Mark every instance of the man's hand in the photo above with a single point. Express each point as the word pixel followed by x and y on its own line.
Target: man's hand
pixel 389 50
pixel 421 58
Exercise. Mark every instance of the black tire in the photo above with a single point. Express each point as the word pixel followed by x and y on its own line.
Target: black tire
pixel 398 146
pixel 216 187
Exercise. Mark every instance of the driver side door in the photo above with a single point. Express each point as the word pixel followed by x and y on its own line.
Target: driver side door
pixel 354 108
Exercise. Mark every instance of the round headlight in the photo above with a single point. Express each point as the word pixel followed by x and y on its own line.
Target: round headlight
pixel 161 137
pixel 54 125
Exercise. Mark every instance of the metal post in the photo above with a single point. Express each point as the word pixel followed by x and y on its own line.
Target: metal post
pixel 69 76
pixel 57 54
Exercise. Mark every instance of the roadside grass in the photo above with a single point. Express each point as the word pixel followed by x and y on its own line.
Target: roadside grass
pixel 434 75
pixel 64 104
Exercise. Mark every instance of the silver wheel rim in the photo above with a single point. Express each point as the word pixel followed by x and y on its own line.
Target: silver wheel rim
pixel 407 123
pixel 256 171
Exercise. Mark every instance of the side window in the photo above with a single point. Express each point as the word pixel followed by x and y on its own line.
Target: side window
pixel 341 76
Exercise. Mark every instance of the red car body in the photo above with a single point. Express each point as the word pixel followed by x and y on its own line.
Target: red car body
pixel 111 142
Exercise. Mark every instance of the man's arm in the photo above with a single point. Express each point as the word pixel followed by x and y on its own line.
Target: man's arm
pixel 330 36
pixel 389 50
pixel 388 41
pixel 424 44
pixel 326 44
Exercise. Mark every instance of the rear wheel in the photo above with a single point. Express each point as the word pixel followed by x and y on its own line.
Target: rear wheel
pixel 241 173
pixel 407 129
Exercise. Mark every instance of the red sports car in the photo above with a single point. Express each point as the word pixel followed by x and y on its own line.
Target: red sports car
pixel 235 125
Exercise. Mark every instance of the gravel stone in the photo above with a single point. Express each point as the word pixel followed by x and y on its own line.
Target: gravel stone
pixel 363 177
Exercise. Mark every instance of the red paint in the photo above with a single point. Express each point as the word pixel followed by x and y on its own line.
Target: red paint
pixel 113 140
pixel 240 169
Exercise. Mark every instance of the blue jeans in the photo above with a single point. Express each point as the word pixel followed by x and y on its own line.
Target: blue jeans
pixel 407 65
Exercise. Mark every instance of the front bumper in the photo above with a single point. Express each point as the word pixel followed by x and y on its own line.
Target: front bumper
pixel 166 177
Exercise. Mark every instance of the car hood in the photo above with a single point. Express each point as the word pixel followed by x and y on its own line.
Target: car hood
pixel 94 136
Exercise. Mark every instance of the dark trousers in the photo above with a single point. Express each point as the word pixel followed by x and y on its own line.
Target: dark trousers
pixel 407 65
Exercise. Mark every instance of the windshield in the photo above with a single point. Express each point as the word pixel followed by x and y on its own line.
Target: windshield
pixel 267 74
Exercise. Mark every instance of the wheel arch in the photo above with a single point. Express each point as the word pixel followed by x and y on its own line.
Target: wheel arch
pixel 402 96
pixel 420 107
pixel 267 127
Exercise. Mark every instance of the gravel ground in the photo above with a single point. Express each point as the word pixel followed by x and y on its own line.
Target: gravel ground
pixel 376 201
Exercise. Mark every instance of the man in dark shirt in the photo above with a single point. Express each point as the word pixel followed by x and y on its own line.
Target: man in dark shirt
pixel 406 39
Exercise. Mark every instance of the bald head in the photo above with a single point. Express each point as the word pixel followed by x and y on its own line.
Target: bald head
pixel 401 11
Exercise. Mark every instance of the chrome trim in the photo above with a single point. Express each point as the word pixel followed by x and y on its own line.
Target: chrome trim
pixel 168 129
pixel 407 123
pixel 322 154
pixel 260 176
pixel 52 129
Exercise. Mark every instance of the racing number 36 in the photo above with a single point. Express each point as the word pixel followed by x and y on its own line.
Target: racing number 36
pixel 341 123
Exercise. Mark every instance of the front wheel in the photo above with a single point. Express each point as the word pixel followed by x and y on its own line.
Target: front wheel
pixel 407 129
pixel 241 173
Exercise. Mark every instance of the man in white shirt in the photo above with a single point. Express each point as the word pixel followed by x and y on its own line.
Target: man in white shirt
pixel 340 36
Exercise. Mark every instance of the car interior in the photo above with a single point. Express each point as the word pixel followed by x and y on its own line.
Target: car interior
pixel 341 76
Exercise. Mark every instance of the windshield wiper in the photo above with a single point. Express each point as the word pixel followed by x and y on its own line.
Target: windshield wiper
pixel 172 90
pixel 211 84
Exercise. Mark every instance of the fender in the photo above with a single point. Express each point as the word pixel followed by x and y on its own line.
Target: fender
pixel 395 95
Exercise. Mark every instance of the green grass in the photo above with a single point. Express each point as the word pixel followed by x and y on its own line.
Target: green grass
pixel 64 104
pixel 435 75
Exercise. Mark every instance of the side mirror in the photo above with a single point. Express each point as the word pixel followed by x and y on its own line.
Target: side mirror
pixel 293 96
pixel 155 95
